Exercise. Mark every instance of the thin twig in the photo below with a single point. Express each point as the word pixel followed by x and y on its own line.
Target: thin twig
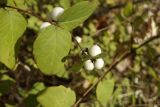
pixel 115 62
pixel 31 13
pixel 146 42
pixel 99 31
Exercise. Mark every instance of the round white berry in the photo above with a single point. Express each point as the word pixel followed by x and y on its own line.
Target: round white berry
pixel 95 50
pixel 88 65
pixel 99 63
pixel 56 12
pixel 44 25
pixel 78 39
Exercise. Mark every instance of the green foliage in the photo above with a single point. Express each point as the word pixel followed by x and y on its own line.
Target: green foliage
pixel 31 96
pixel 5 84
pixel 37 87
pixel 57 97
pixel 128 9
pixel 31 101
pixel 64 3
pixel 17 3
pixel 12 26
pixel 104 91
pixel 76 14
pixel 51 45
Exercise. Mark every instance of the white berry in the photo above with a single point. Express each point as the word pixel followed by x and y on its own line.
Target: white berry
pixel 44 25
pixel 99 63
pixel 56 12
pixel 88 65
pixel 95 50
pixel 78 39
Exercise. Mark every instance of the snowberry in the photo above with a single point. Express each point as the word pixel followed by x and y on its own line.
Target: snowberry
pixel 88 65
pixel 78 39
pixel 95 50
pixel 44 25
pixel 56 12
pixel 99 63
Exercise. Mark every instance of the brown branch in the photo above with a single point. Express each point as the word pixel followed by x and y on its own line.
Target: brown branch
pixel 100 31
pixel 114 63
pixel 31 14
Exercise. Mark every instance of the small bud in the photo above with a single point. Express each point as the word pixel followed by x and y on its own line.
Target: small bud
pixel 99 63
pixel 95 50
pixel 56 12
pixel 44 25
pixel 88 65
pixel 78 39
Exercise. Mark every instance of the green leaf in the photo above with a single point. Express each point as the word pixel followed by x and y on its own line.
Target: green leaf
pixel 104 91
pixel 31 101
pixel 6 82
pixel 57 97
pixel 51 45
pixel 76 14
pixel 128 9
pixel 12 26
pixel 17 3
pixel 152 72
pixel 64 3
pixel 37 87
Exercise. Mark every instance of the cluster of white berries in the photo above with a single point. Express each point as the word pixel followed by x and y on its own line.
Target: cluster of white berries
pixel 56 12
pixel 99 62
